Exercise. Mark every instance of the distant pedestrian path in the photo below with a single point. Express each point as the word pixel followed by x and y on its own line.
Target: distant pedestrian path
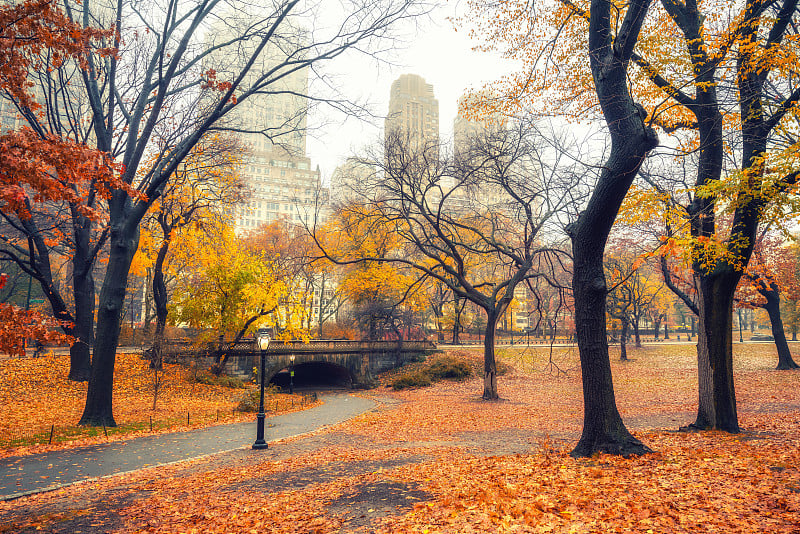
pixel 24 475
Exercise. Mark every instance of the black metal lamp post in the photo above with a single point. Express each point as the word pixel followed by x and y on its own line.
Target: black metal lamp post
pixel 262 339
pixel 291 374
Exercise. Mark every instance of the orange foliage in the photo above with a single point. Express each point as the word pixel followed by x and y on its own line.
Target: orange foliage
pixel 36 393
pixel 17 326
pixel 36 34
pixel 461 465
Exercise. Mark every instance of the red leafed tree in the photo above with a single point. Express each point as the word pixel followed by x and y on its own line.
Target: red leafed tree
pixel 50 181
pixel 18 325
pixel 32 160
pixel 770 271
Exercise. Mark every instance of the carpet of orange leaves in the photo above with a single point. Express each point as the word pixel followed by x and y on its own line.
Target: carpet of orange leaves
pixel 35 394
pixel 439 460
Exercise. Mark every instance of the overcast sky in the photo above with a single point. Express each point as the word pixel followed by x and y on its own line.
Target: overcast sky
pixel 435 51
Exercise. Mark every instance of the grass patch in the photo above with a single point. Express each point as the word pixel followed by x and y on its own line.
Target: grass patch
pixel 414 379
pixel 210 379
pixel 249 401
pixel 452 366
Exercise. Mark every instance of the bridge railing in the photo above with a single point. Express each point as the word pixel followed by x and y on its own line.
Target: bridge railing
pixel 247 346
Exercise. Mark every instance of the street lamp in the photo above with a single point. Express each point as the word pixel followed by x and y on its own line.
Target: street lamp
pixel 291 374
pixel 262 339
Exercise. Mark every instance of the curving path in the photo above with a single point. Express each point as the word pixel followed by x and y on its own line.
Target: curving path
pixel 24 475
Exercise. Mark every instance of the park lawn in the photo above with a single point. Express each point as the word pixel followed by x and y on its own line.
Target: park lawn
pixel 440 460
pixel 37 396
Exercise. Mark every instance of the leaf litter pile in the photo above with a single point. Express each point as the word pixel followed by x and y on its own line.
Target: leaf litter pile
pixel 438 459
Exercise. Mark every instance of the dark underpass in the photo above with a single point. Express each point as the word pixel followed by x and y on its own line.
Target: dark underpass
pixel 314 376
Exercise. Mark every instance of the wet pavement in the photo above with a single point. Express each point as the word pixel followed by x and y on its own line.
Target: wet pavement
pixel 23 475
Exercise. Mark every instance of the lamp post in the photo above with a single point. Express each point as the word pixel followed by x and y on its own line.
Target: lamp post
pixel 291 374
pixel 262 339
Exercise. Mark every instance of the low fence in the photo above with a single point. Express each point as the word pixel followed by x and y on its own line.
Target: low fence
pixel 57 433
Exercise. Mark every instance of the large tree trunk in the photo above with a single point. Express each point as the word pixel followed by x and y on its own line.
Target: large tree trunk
pixel 80 351
pixel 717 397
pixel 773 307
pixel 99 396
pixel 83 293
pixel 631 140
pixel 489 363
pixel 603 429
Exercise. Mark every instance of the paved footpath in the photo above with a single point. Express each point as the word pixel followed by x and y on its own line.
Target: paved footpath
pixel 24 475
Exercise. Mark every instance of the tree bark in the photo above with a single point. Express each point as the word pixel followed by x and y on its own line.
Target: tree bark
pixel 623 349
pixel 160 303
pixel 489 363
pixel 458 310
pixel 773 307
pixel 98 410
pixel 80 351
pixel 84 294
pixel 636 334
pixel 631 140
pixel 717 397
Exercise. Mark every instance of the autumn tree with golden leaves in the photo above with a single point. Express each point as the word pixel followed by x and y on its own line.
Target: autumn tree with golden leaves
pixel 715 75
pixel 204 190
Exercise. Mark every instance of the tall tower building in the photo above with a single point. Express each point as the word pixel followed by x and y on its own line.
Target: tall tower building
pixel 473 123
pixel 413 110
pixel 272 124
pixel 465 128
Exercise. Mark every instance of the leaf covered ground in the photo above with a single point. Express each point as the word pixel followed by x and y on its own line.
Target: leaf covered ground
pixel 35 394
pixel 438 459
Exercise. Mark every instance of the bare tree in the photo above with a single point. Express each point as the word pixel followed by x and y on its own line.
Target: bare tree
pixel 477 222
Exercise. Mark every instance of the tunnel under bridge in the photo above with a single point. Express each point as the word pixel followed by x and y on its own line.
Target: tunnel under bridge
pixel 346 363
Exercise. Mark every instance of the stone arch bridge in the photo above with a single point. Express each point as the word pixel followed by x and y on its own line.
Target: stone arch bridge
pixel 359 361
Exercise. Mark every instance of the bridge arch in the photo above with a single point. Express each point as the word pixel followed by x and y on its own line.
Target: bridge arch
pixel 314 373
pixel 361 360
pixel 346 368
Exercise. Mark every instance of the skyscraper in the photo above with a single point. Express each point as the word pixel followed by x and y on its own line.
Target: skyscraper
pixel 472 121
pixel 272 124
pixel 413 110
